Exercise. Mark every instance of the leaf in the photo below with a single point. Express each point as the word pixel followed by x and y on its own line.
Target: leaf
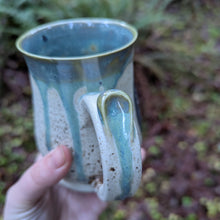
pixel 148 62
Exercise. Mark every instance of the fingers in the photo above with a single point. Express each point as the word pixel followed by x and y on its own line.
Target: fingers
pixel 40 176
pixel 143 154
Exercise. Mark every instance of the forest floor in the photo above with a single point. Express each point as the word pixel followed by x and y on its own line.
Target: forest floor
pixel 181 130
pixel 179 102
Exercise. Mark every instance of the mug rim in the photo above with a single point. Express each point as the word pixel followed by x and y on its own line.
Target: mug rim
pixel 32 31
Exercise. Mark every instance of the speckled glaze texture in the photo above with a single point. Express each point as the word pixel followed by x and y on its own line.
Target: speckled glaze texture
pixel 81 73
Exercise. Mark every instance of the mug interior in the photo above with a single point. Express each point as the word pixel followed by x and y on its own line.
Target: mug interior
pixel 76 38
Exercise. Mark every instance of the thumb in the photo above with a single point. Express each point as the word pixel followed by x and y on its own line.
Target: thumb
pixel 40 176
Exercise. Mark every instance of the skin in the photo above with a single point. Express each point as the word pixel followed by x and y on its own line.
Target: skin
pixel 37 196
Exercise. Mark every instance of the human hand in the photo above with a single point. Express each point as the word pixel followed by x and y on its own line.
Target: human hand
pixel 37 195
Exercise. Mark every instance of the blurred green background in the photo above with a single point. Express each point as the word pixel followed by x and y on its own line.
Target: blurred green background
pixel 177 76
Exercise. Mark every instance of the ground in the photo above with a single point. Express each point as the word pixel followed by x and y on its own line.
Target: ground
pixel 178 87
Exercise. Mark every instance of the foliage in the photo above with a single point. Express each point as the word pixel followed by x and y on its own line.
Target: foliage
pixel 178 83
pixel 18 16
pixel 16 138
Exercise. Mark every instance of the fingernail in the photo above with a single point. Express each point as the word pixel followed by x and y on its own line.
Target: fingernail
pixel 56 158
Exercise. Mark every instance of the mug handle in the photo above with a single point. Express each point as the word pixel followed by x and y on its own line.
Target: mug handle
pixel 112 117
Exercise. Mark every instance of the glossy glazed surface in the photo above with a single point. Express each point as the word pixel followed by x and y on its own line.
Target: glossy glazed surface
pixel 68 60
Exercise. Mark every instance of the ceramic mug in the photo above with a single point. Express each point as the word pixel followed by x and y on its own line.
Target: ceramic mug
pixel 81 73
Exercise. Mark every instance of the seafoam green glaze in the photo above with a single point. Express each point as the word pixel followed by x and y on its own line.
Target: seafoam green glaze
pixel 67 60
pixel 116 114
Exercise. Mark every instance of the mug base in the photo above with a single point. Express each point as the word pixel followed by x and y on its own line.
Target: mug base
pixel 80 187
